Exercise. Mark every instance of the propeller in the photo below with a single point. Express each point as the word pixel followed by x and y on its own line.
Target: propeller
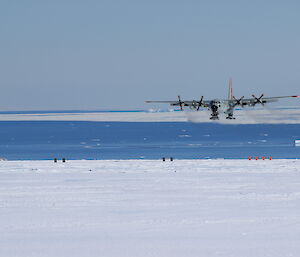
pixel 180 103
pixel 239 101
pixel 258 100
pixel 200 103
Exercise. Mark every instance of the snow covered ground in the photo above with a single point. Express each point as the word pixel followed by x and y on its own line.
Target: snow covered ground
pixel 244 116
pixel 150 208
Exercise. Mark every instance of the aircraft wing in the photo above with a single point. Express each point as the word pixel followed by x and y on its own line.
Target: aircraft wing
pixel 256 100
pixel 191 103
pixel 232 102
pixel 184 103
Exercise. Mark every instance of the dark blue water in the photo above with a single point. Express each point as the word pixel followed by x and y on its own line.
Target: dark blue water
pixel 151 140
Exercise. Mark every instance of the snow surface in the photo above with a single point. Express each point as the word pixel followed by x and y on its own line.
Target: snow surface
pixel 150 208
pixel 244 116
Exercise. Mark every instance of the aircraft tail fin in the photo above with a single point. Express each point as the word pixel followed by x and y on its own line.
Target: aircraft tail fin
pixel 230 90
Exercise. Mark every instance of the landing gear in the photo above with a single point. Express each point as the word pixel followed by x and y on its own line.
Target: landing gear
pixel 230 118
pixel 230 115
pixel 214 117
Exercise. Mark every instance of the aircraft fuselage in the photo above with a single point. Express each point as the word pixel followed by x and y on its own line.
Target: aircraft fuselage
pixel 217 106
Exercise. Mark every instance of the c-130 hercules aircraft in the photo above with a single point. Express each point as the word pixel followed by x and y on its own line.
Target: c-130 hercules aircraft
pixel 226 106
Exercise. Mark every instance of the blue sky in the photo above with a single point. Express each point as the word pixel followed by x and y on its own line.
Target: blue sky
pixel 117 54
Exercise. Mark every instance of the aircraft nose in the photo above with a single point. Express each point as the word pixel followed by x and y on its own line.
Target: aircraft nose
pixel 214 108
